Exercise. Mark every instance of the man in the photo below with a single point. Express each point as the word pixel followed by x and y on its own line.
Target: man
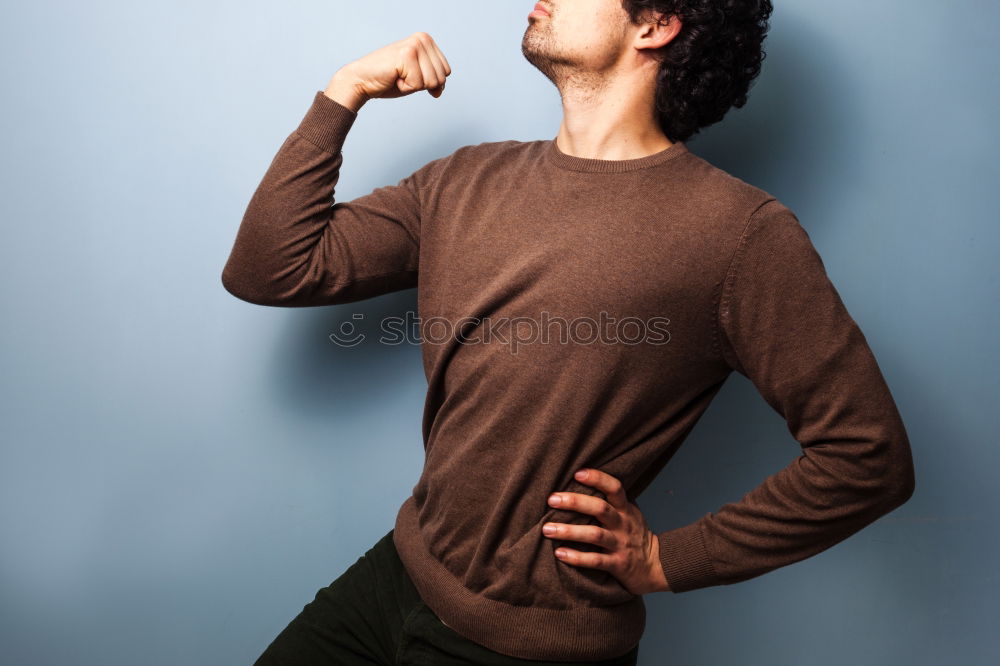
pixel 596 291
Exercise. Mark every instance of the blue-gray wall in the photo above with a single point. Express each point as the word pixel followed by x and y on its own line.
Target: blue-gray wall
pixel 180 471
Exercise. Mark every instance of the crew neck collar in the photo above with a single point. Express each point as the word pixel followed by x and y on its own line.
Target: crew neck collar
pixel 588 164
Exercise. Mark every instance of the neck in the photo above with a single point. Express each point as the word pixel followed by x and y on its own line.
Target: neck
pixel 609 118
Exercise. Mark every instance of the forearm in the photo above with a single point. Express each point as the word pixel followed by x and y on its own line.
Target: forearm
pixel 828 493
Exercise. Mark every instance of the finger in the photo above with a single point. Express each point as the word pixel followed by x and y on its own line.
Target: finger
pixel 434 59
pixel 594 534
pixel 430 76
pixel 440 54
pixel 431 82
pixel 612 488
pixel 593 506
pixel 411 75
pixel 586 559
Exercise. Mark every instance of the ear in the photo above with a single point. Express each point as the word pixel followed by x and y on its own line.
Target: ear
pixel 657 30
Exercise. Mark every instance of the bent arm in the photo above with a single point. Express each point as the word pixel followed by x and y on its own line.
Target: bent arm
pixel 297 247
pixel 785 328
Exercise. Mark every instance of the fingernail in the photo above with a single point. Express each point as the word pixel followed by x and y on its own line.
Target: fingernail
pixel 548 530
pixel 582 474
pixel 555 500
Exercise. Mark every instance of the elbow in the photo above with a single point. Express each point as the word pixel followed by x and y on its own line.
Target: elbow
pixel 900 477
pixel 902 489
pixel 883 478
pixel 246 289
pixel 253 287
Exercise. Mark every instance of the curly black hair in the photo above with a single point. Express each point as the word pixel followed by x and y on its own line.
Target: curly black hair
pixel 711 63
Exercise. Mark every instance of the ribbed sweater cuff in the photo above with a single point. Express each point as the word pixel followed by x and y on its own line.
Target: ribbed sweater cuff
pixel 326 123
pixel 685 560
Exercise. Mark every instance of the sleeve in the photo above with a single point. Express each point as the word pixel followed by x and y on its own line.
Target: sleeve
pixel 786 329
pixel 297 247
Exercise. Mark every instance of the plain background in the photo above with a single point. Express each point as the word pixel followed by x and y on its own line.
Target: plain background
pixel 180 471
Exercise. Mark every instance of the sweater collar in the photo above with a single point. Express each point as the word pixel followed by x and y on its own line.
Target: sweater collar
pixel 572 163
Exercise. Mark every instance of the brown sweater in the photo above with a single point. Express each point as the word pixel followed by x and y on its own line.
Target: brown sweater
pixel 668 274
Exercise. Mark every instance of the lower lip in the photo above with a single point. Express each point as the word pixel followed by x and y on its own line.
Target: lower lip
pixel 538 13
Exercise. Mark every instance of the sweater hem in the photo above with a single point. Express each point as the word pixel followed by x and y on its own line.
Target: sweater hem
pixel 524 632
pixel 326 123
pixel 685 560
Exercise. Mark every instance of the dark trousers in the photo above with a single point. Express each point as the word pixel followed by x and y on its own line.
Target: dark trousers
pixel 372 614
